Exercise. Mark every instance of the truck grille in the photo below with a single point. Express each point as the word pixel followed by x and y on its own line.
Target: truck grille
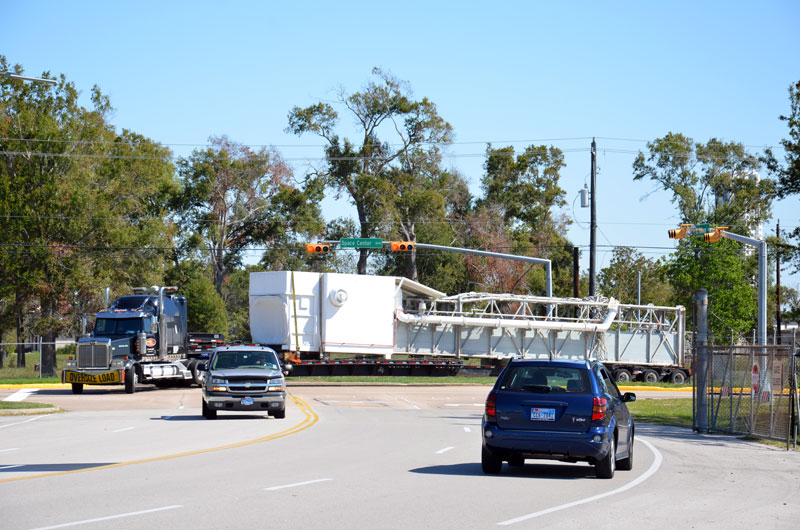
pixel 93 355
pixel 248 385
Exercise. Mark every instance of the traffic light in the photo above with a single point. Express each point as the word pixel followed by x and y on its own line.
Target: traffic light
pixel 678 233
pixel 318 248
pixel 713 237
pixel 401 246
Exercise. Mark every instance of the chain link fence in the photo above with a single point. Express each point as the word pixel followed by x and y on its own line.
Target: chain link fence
pixel 751 390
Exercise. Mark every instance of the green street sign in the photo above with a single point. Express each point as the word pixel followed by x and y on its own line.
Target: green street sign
pixel 362 242
pixel 703 228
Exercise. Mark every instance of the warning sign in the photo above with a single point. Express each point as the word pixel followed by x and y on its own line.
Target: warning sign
pixel 754 380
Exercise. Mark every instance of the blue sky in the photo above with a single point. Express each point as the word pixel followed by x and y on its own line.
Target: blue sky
pixel 509 73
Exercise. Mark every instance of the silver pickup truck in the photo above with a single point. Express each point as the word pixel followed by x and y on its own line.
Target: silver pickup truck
pixel 243 378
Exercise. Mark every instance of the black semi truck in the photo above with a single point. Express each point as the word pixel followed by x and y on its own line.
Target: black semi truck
pixel 140 338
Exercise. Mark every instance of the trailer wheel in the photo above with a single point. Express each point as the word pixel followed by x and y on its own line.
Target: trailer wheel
pixel 130 380
pixel 77 388
pixel 650 376
pixel 622 376
pixel 677 377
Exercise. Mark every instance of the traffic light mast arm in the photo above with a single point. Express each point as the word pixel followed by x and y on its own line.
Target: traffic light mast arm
pixel 541 261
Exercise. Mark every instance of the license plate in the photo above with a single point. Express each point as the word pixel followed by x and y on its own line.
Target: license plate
pixel 247 401
pixel 543 414
pixel 92 379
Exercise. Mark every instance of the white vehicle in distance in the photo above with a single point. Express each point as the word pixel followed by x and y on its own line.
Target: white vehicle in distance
pixel 244 378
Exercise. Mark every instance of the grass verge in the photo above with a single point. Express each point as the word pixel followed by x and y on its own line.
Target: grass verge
pixel 674 412
pixel 17 405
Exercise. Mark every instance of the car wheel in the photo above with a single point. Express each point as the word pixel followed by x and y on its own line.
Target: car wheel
pixel 650 376
pixel 677 377
pixel 516 461
pixel 280 414
pixel 626 464
pixel 208 412
pixel 490 463
pixel 605 468
pixel 77 388
pixel 622 376
pixel 130 380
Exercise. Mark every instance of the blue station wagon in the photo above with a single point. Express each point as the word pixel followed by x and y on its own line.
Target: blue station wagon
pixel 560 410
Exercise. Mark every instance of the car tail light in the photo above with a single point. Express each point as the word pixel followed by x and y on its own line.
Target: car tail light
pixel 599 408
pixel 491 407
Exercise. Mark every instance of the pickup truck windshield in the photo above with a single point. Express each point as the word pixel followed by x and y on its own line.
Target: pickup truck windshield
pixel 105 327
pixel 229 360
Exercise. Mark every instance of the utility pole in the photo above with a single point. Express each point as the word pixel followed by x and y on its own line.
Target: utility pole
pixel 778 281
pixel 593 229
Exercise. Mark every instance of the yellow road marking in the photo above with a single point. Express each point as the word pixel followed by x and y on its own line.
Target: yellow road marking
pixel 310 419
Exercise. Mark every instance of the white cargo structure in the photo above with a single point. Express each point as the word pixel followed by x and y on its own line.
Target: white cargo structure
pixel 326 316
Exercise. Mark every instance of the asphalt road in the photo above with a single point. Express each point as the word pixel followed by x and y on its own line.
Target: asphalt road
pixel 358 458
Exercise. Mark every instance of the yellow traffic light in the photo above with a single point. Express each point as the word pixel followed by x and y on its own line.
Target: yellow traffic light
pixel 401 246
pixel 678 233
pixel 317 248
pixel 713 237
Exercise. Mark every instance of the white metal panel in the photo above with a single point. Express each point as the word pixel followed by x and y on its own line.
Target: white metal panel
pixel 357 313
pixel 284 316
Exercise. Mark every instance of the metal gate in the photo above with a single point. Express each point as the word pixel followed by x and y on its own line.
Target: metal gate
pixel 751 390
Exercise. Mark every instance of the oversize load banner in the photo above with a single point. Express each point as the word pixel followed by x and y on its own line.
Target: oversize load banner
pixel 92 379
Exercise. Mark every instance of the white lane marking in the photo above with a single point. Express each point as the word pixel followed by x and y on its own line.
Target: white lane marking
pixel 9 467
pixel 21 395
pixel 273 488
pixel 467 429
pixel 647 474
pixel 125 429
pixel 110 517
pixel 11 449
pixel 442 451
pixel 413 405
pixel 21 422
pixel 464 404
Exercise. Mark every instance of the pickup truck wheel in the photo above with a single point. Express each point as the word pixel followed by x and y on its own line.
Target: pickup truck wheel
pixel 677 377
pixel 130 380
pixel 208 413
pixel 279 414
pixel 77 388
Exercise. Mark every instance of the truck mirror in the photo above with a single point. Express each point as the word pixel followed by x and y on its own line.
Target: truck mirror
pixel 287 369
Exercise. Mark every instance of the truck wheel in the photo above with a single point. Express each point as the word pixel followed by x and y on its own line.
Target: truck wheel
pixel 279 414
pixel 196 373
pixel 77 388
pixel 208 413
pixel 622 376
pixel 130 380
pixel 650 376
pixel 677 377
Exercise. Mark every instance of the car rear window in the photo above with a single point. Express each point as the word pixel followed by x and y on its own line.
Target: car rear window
pixel 547 379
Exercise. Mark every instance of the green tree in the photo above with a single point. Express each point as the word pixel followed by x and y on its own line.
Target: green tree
pixel 715 182
pixel 363 170
pixel 204 307
pixel 72 192
pixel 629 267
pixel 234 198
pixel 789 173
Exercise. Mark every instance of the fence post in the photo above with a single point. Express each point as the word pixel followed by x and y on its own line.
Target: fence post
pixel 701 310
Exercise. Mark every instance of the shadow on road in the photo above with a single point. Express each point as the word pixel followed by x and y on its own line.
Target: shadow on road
pixel 529 470
pixel 49 468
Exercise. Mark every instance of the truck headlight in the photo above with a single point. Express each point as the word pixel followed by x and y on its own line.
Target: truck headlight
pixel 218 381
pixel 276 385
pixel 117 363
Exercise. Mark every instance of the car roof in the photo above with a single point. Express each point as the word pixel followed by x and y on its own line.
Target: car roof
pixel 244 348
pixel 563 363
